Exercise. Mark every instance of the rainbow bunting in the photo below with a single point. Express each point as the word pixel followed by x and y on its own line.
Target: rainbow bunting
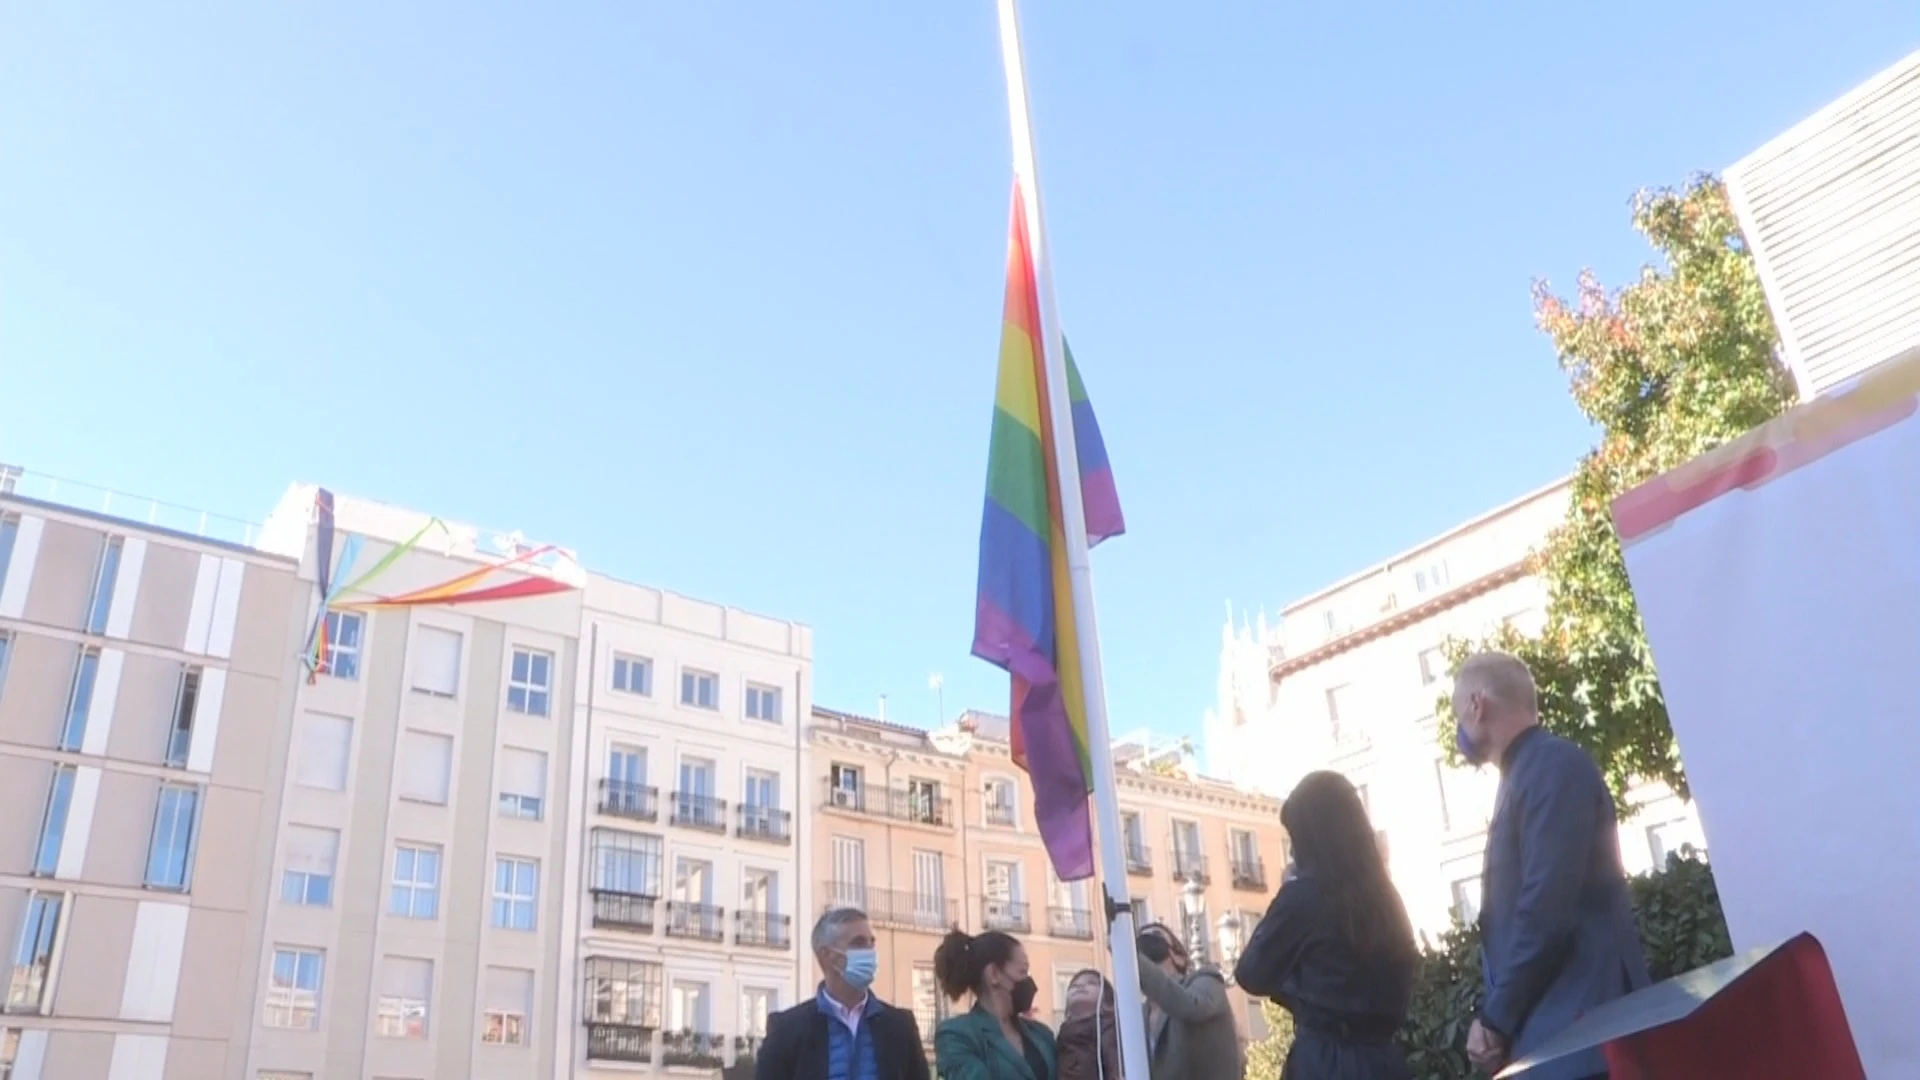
pixel 1024 621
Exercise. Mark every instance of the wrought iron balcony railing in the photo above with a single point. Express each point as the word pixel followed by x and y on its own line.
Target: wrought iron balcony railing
pixel 635 802
pixel 1008 915
pixel 1249 873
pixel 916 806
pixel 1139 860
pixel 762 929
pixel 699 812
pixel 1074 924
pixel 692 1049
pixel 619 1042
pixel 631 912
pixel 897 910
pixel 763 823
pixel 1188 866
pixel 697 922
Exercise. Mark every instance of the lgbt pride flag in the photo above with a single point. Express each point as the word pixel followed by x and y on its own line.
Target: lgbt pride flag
pixel 1025 618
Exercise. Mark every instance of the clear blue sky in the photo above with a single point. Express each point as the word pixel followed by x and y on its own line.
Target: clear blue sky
pixel 710 292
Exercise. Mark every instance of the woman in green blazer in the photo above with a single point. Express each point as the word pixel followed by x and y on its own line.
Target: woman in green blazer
pixel 995 1041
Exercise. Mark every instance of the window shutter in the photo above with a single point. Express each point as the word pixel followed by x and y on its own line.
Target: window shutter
pixel 407 977
pixel 311 850
pixel 436 661
pixel 323 751
pixel 523 772
pixel 508 990
pixel 426 761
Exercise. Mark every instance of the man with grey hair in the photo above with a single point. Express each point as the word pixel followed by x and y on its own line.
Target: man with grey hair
pixel 844 1032
pixel 1555 917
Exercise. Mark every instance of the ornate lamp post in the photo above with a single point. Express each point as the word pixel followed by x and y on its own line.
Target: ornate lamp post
pixel 1193 910
pixel 1232 926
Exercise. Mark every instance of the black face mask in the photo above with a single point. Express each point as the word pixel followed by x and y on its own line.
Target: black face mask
pixel 1024 992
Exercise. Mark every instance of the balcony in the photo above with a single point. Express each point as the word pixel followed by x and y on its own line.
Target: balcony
pixel 999 814
pixel 635 802
pixel 763 823
pixel 692 1050
pixel 1008 915
pixel 1249 873
pixel 619 1042
pixel 699 812
pixel 631 912
pixel 696 922
pixel 1073 924
pixel 915 806
pixel 747 1047
pixel 762 930
pixel 1190 867
pixel 897 910
pixel 1139 860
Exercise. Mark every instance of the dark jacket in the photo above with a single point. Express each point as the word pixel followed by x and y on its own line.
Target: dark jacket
pixel 796 1044
pixel 1556 916
pixel 1088 1050
pixel 971 1047
pixel 1346 1006
pixel 1197 1038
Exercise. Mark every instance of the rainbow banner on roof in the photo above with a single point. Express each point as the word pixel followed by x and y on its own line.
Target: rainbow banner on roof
pixel 1024 620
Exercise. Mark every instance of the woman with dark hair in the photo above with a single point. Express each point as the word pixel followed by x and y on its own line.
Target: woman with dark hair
pixel 1088 1045
pixel 996 1040
pixel 1335 947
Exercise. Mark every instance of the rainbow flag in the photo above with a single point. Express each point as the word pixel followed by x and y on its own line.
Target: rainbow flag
pixel 1024 621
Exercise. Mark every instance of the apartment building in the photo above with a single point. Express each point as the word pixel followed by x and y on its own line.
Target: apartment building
pixel 930 830
pixel 144 685
pixel 1349 678
pixel 687 744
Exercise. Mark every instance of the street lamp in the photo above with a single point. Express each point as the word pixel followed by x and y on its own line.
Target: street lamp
pixel 1231 927
pixel 1193 909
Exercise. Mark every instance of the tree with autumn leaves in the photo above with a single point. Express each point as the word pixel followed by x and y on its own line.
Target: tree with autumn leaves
pixel 1674 364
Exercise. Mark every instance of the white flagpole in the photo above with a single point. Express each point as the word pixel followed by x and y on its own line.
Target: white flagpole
pixel 1126 961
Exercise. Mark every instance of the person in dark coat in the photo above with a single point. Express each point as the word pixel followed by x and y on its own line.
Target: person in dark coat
pixel 843 1032
pixel 1088 1044
pixel 1556 917
pixel 1335 947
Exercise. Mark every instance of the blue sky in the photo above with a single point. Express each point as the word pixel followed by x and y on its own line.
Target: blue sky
pixel 710 292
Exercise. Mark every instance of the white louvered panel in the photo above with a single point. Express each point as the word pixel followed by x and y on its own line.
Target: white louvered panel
pixel 1832 212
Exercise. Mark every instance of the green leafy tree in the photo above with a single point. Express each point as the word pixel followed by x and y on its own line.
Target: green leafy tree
pixel 1667 368
pixel 1267 1057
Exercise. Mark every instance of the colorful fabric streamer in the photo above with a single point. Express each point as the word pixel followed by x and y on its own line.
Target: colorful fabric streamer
pixel 1025 620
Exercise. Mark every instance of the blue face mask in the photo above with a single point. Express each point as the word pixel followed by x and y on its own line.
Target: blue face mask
pixel 862 965
pixel 1465 744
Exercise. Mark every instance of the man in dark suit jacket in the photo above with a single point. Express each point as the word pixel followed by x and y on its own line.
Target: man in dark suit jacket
pixel 843 1032
pixel 1556 918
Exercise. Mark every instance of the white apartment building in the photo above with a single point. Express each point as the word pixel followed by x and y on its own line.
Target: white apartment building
pixel 684 895
pixel 1349 678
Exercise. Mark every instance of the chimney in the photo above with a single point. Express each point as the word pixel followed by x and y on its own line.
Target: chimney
pixel 883 708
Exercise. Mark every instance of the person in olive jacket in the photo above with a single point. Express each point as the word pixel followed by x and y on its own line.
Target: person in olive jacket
pixel 996 1040
pixel 843 1032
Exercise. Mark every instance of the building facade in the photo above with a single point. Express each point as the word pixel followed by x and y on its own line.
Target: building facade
pixel 1349 679
pixel 688 750
pixel 144 687
pixel 926 831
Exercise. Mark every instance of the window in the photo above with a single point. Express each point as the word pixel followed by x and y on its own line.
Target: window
pixel 507 998
pixel 693 881
pixel 624 991
pixel 763 703
pixel 760 805
pixel 1366 799
pixel 1002 802
pixel 1246 852
pixel 923 801
pixel 760 891
pixel 426 766
pixel 695 803
pixel 406 984
pixel 699 689
pixel 516 886
pixel 1188 857
pixel 323 743
pixel 1440 778
pixel 530 684
pixel 632 675
pixel 849 885
pixel 692 1007
pixel 436 661
pixel 9 530
pixel 80 699
pixel 33 952
pixel 1142 912
pixel 180 735
pixel 1466 900
pixel 415 893
pixel 293 989
pixel 311 856
pixel 1134 835
pixel 929 1004
pixel 1431 577
pixel 929 889
pixel 103 583
pixel 1004 908
pixel 170 856
pixel 757 1006
pixel 625 862
pixel 843 782
pixel 1433 666
pixel 523 783
pixel 1332 622
pixel 627 794
pixel 53 825
pixel 1336 708
pixel 340 644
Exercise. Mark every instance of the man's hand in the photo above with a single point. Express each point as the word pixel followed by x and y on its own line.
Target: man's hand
pixel 1487 1049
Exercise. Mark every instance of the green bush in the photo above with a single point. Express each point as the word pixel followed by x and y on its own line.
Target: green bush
pixel 1681 928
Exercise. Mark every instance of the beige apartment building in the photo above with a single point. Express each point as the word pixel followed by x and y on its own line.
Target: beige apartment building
pixel 144 682
pixel 930 830
pixel 1348 681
